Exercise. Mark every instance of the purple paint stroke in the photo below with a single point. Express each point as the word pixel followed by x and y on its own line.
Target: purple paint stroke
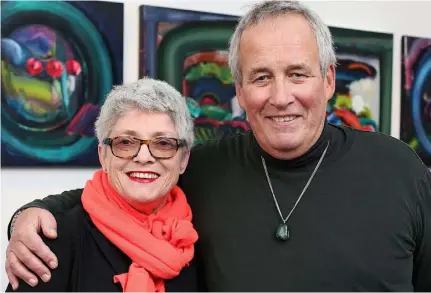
pixel 414 50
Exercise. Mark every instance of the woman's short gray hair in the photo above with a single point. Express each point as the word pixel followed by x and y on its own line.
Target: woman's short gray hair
pixel 145 95
pixel 267 9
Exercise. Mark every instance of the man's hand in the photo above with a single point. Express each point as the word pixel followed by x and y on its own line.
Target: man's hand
pixel 26 248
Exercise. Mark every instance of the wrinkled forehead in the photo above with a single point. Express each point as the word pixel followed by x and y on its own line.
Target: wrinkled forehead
pixel 279 41
pixel 287 25
pixel 145 124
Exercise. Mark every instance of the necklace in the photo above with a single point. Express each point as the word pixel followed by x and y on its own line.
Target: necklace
pixel 282 232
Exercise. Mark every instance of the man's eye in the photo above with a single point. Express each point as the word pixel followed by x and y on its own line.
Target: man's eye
pixel 261 78
pixel 298 75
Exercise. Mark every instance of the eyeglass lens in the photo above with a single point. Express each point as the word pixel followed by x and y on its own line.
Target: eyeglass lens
pixel 159 147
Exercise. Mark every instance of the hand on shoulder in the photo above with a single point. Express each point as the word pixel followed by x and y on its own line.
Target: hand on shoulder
pixel 26 248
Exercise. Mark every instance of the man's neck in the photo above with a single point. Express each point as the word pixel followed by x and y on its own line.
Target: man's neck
pixel 299 151
pixel 300 158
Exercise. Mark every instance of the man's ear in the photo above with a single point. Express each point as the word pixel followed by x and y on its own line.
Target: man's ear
pixel 330 82
pixel 239 94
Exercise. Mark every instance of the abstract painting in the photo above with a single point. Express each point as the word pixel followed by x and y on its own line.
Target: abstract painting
pixel 362 98
pixel 59 60
pixel 415 127
pixel 188 49
pixel 356 101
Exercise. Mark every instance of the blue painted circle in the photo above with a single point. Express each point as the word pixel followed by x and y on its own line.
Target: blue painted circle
pixel 423 76
pixel 97 54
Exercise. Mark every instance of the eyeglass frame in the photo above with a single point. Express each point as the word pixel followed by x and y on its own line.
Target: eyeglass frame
pixel 179 143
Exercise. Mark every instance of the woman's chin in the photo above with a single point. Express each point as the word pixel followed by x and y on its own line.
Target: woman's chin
pixel 141 198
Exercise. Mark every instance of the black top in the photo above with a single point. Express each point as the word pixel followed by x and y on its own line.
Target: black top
pixel 364 223
pixel 88 260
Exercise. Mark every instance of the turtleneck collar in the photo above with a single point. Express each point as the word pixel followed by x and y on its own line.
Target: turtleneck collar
pixel 340 140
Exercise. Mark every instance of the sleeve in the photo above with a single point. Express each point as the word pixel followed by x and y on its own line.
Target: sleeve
pixel 54 203
pixel 63 247
pixel 422 254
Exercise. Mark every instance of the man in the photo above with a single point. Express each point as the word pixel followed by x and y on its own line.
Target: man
pixel 295 204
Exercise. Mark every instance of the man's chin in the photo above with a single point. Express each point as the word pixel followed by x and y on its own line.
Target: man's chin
pixel 285 144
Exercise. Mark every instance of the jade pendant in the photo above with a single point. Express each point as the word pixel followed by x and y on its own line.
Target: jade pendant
pixel 282 232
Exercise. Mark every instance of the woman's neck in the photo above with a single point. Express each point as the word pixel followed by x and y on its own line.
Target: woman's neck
pixel 148 208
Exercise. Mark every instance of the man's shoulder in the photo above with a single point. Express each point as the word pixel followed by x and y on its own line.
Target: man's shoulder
pixel 382 140
pixel 71 220
pixel 385 148
pixel 216 155
pixel 222 146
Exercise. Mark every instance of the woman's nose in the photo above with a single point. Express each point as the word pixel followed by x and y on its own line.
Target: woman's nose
pixel 144 155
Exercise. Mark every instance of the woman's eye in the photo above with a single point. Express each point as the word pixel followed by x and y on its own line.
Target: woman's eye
pixel 165 143
pixel 125 142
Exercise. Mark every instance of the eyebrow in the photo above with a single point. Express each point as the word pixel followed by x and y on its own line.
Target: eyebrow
pixel 292 67
pixel 134 133
pixel 299 66
pixel 129 132
pixel 257 70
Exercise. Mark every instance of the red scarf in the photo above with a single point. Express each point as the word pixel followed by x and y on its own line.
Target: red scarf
pixel 159 245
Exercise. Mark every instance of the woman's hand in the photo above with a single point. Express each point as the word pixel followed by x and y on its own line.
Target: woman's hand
pixel 26 248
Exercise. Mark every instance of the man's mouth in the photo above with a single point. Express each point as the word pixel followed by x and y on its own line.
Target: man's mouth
pixel 287 118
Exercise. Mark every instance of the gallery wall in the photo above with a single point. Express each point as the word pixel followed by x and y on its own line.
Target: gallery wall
pixel 399 18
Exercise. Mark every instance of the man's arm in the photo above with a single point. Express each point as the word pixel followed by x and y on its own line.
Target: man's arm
pixel 63 247
pixel 422 254
pixel 53 203
pixel 27 254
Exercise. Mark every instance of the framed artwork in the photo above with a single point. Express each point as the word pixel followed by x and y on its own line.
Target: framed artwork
pixel 188 49
pixel 415 127
pixel 363 94
pixel 59 60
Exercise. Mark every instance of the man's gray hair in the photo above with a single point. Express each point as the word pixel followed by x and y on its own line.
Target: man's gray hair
pixel 147 95
pixel 268 9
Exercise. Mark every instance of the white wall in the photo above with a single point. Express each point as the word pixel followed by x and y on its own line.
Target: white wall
pixel 397 17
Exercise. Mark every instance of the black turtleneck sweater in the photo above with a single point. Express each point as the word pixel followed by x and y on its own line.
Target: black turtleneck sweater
pixel 364 223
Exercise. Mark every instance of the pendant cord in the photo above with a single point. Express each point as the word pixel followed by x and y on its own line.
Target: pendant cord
pixel 303 191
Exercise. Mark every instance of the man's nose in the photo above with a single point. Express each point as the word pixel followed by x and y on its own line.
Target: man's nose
pixel 281 95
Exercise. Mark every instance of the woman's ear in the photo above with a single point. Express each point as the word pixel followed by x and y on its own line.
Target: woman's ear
pixel 102 157
pixel 184 161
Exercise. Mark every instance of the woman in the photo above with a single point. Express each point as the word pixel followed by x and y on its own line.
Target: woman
pixel 133 230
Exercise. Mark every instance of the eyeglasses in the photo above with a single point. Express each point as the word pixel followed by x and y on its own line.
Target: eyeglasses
pixel 126 147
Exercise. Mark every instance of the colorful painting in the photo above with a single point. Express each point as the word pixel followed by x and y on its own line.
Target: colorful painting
pixel 356 101
pixel 59 60
pixel 362 98
pixel 188 49
pixel 416 96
